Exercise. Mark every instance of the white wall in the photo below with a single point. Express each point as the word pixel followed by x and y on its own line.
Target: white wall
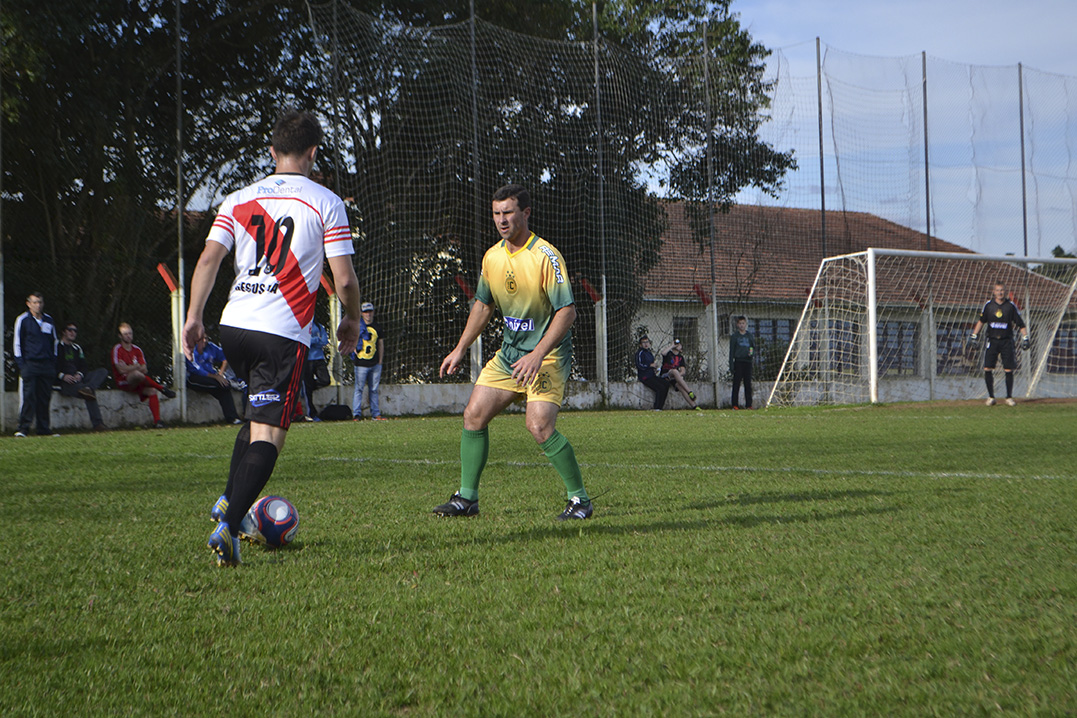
pixel 123 410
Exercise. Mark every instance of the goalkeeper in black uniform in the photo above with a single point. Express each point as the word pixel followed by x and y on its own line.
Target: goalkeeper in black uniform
pixel 1000 317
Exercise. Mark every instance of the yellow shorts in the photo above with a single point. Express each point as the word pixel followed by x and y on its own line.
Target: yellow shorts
pixel 549 385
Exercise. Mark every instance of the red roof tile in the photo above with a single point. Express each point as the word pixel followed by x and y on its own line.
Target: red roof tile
pixel 769 253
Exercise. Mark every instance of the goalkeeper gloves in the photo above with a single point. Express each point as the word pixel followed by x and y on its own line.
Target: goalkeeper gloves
pixel 1026 343
pixel 974 338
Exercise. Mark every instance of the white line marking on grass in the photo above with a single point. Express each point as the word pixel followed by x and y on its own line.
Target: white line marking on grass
pixel 742 469
pixel 681 467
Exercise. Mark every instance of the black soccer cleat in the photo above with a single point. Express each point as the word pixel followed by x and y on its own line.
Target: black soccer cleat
pixel 576 509
pixel 457 505
pixel 169 394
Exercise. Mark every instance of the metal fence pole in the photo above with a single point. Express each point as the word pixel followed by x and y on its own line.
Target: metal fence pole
pixel 475 353
pixel 601 319
pixel 3 334
pixel 822 161
pixel 179 316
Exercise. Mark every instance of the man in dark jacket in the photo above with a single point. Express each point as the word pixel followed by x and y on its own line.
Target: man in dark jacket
pixel 35 355
pixel 74 377
pixel 645 370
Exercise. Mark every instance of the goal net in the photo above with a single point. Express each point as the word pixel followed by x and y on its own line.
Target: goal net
pixel 892 325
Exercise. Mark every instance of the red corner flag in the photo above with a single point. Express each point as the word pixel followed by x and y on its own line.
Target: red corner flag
pixel 166 274
pixel 464 287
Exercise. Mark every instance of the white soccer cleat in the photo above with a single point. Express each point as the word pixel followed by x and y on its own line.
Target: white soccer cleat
pixel 990 401
pixel 1010 402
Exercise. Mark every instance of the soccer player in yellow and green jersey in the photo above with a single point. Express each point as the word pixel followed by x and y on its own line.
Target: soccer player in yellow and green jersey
pixel 525 277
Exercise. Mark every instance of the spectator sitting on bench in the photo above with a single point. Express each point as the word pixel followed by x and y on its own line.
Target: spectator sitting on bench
pixel 73 377
pixel 645 370
pixel 131 374
pixel 206 373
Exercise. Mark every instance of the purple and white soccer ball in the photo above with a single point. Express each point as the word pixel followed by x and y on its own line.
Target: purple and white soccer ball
pixel 272 521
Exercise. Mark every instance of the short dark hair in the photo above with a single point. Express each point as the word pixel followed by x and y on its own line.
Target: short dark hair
pixel 514 191
pixel 739 317
pixel 296 132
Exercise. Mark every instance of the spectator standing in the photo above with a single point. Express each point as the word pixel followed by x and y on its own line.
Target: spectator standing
pixel 131 374
pixel 74 377
pixel 367 359
pixel 648 374
pixel 206 373
pixel 1001 318
pixel 674 369
pixel 315 369
pixel 35 355
pixel 741 356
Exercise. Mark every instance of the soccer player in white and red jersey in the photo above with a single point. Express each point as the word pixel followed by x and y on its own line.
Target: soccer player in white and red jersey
pixel 282 229
pixel 130 373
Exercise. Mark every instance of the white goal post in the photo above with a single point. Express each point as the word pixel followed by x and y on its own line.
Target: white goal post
pixel 888 325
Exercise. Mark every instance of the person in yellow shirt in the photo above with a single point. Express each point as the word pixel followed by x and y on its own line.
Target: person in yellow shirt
pixel 525 277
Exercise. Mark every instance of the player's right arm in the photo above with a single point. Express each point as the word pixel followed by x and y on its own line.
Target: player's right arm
pixel 974 335
pixel 480 316
pixel 205 274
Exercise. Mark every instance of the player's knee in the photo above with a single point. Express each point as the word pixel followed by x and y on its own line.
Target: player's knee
pixel 475 418
pixel 540 430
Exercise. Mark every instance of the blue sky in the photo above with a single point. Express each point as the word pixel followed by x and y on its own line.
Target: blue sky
pixel 975 178
pixel 1040 34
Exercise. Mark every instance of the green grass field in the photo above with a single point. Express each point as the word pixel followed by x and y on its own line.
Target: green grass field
pixel 901 560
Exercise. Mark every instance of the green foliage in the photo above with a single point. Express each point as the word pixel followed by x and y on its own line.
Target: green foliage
pixel 1058 272
pixel 781 562
pixel 90 145
pixel 90 128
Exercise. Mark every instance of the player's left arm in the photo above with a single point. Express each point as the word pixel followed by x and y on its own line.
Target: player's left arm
pixel 347 286
pixel 526 368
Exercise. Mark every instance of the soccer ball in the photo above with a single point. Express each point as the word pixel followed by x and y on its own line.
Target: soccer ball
pixel 272 521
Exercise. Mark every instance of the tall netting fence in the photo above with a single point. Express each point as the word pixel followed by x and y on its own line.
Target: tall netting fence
pixel 429 122
pixel 681 191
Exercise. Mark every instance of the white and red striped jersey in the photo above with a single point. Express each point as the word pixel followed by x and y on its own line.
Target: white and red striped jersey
pixel 282 228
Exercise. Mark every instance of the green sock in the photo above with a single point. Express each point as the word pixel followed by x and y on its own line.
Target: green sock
pixel 563 458
pixel 474 448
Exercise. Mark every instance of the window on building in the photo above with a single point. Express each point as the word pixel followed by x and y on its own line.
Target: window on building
pixel 687 330
pixel 898 344
pixel 772 338
pixel 1063 356
pixel 838 349
pixel 954 355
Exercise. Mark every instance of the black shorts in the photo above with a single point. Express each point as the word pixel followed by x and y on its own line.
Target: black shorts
pixel 1000 347
pixel 272 366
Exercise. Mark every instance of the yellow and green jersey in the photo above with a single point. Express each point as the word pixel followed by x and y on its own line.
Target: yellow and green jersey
pixel 528 286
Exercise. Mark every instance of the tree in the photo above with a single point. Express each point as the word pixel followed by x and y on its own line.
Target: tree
pixel 1058 272
pixel 422 135
pixel 90 143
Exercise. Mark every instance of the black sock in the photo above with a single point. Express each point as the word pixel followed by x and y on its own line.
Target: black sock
pixel 1009 384
pixel 243 442
pixel 989 379
pixel 250 478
